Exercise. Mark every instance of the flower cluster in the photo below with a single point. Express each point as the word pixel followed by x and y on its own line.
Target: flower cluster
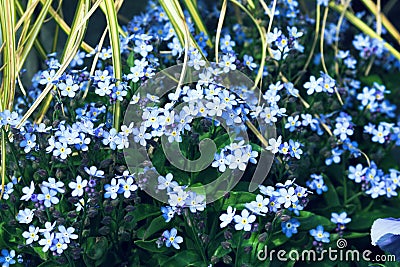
pixel 271 200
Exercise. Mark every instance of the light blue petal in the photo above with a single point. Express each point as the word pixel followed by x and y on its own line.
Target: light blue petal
pixel 382 227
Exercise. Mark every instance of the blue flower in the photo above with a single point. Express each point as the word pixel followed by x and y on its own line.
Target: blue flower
pixel 340 219
pixel 168 213
pixel 171 238
pixel 29 142
pixel 319 234
pixel 290 227
pixel 296 208
pixel 111 189
pixel 386 234
pixel 227 44
pixel 48 196
pixel 336 153
pixel 294 149
pixel 292 123
pixel 7 258
pixel 317 184
pixel 248 61
pixel 94 172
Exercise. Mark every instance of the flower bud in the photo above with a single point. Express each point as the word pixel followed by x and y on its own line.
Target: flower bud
pixel 285 218
pixel 228 235
pixel 262 237
pixel 106 220
pixel 248 249
pixel 225 245
pixel 104 230
pixel 227 259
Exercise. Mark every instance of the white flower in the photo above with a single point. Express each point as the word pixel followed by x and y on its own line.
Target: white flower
pixel 78 186
pixel 59 246
pixel 227 217
pixel 126 130
pixel 28 192
pixel 287 197
pixel 52 184
pixel 66 233
pixel 25 216
pixel 216 107
pixel 243 221
pixel 195 202
pixel 166 182
pixel 94 172
pixel 177 199
pixel 274 144
pixel 128 186
pixel 32 235
pixel 111 189
pixel 48 227
pixel 238 160
pixel 61 150
pixel 259 206
pixel 47 241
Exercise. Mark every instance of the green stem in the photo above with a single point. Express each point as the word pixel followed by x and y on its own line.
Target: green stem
pixel 354 197
pixel 195 236
pixel 237 250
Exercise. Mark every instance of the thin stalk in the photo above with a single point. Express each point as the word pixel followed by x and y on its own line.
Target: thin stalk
pixel 263 42
pixel 112 24
pixel 376 10
pixel 325 17
pixel 198 22
pixel 314 44
pixel 219 28
pixel 338 26
pixel 364 28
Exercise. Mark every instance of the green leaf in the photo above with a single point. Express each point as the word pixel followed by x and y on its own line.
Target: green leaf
pixel 131 60
pixel 113 27
pixel 278 239
pixel 175 14
pixel 183 258
pixel 150 245
pixel 309 220
pixel 222 140
pixel 49 263
pixel 331 196
pixel 238 199
pixel 256 147
pixel 158 159
pixel 370 79
pixel 39 251
pixel 220 252
pixel 96 247
pixel 156 225
pixel 143 211
pixel 363 220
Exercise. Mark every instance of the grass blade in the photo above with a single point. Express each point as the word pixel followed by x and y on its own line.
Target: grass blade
pixel 219 28
pixel 364 28
pixel 174 12
pixel 27 43
pixel 263 37
pixel 386 23
pixel 64 26
pixel 7 24
pixel 113 33
pixel 198 22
